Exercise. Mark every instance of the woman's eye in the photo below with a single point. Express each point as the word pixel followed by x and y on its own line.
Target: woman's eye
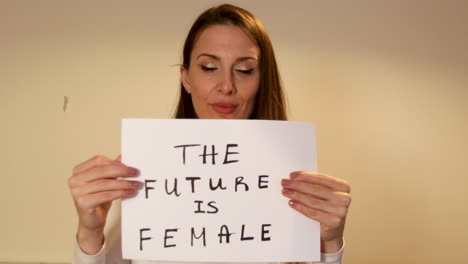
pixel 208 69
pixel 245 71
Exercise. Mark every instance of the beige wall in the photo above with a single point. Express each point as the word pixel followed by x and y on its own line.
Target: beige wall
pixel 385 82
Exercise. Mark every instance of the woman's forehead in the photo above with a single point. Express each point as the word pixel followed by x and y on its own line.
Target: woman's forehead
pixel 225 41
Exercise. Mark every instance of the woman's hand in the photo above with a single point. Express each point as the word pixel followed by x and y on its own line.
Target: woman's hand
pixel 94 185
pixel 322 198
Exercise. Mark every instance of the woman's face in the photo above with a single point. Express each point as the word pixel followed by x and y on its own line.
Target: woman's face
pixel 224 76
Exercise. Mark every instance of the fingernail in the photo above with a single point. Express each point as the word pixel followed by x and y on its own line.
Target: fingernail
pixel 294 175
pixel 131 193
pixel 285 182
pixel 287 192
pixel 136 184
pixel 133 171
pixel 291 203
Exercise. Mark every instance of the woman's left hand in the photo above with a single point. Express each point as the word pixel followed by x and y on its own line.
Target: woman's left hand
pixel 322 198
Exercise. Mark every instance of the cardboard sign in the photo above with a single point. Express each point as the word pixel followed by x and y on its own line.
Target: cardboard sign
pixel 212 191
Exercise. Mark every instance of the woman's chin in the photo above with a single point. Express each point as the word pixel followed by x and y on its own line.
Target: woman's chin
pixel 217 115
pixel 220 116
pixel 224 116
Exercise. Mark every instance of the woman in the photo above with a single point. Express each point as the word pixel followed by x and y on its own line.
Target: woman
pixel 229 71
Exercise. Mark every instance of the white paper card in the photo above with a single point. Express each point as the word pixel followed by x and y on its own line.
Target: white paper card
pixel 212 191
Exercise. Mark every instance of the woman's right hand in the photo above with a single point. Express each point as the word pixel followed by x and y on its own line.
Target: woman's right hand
pixel 94 185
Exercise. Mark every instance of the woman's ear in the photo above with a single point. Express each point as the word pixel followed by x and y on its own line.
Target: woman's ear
pixel 185 78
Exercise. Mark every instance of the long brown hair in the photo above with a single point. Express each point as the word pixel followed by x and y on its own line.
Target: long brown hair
pixel 270 101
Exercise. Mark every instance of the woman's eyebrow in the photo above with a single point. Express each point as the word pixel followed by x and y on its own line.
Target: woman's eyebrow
pixel 217 58
pixel 208 55
pixel 246 58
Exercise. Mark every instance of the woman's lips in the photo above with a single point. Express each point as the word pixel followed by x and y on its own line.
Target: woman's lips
pixel 224 108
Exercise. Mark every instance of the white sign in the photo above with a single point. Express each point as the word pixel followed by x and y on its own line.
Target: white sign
pixel 212 191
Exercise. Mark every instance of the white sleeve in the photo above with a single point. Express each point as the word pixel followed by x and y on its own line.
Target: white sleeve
pixel 332 258
pixel 79 257
pixel 107 255
pixel 111 251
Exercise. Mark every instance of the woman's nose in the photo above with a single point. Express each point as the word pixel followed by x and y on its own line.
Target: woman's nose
pixel 226 84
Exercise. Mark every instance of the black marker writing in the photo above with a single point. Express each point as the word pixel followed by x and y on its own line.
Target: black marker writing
pixel 198 237
pixel 147 188
pixel 143 238
pixel 213 154
pixel 219 185
pixel 174 189
pixel 264 232
pixel 262 184
pixel 224 232
pixel 183 150
pixel 226 161
pixel 193 179
pixel 166 237
pixel 206 154
pixel 210 204
pixel 243 236
pixel 240 180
